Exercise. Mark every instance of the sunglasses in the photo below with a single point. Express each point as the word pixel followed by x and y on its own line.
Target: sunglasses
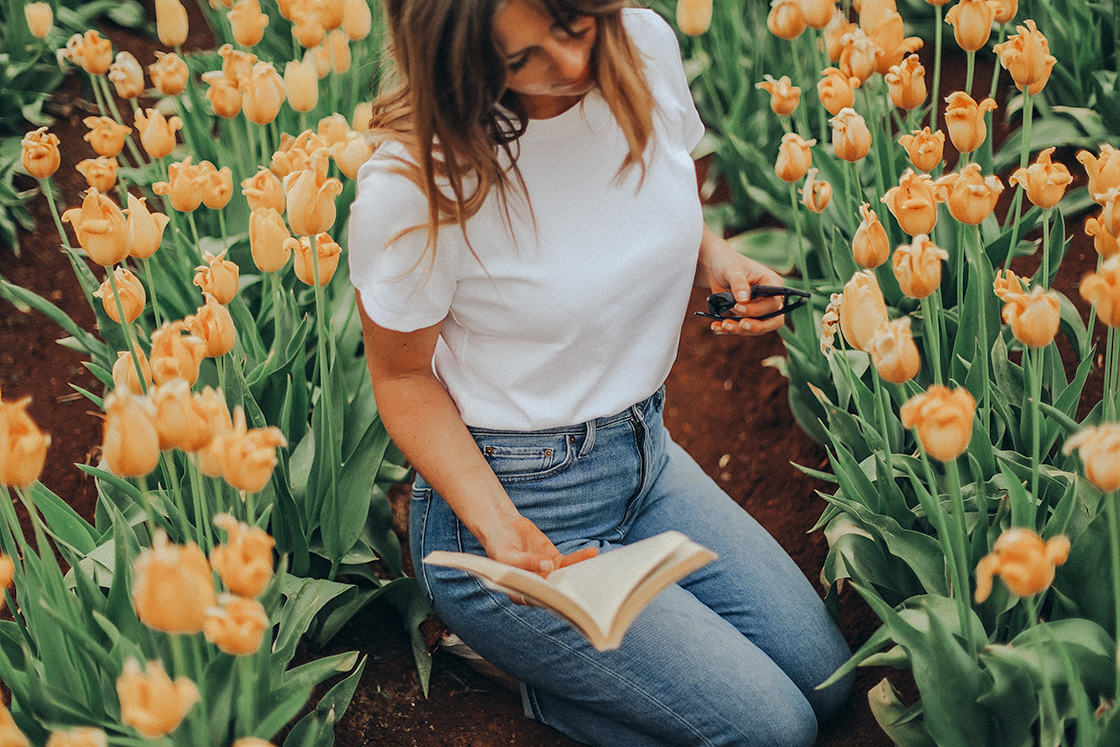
pixel 721 304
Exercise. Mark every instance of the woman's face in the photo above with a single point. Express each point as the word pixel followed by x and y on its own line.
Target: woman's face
pixel 549 69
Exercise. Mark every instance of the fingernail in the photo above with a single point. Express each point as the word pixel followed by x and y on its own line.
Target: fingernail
pixel 743 296
pixel 745 325
pixel 546 566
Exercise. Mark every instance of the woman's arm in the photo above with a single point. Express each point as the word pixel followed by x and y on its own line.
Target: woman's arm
pixel 424 423
pixel 721 268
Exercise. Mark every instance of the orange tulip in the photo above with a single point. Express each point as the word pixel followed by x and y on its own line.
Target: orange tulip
pixel 310 196
pixel 1008 285
pixel 363 113
pixel 815 195
pixel 172 24
pixel 307 29
pixel 145 229
pixel 885 29
pixel 175 354
pixel 157 133
pixel 213 324
pixel 913 203
pixel 1110 215
pixel 105 135
pixel 794 157
pixel 40 19
pixel 859 56
pixel 247 22
pixel 132 294
pixel 262 94
pixel 1044 182
pixel 169 73
pixel 23 447
pixel 1027 57
pixel 818 13
pixel 943 418
pixel 894 353
pixel 693 16
pixel 151 703
pixel 237 626
pixel 40 156
pixel 223 94
pixel 264 190
pixel 924 148
pixel 906 82
pixel 180 418
pixel 917 266
pixel 79 736
pixel 295 153
pixel 1103 171
pixel 268 237
pixel 172 586
pixel 870 245
pixel 217 277
pixel 972 23
pixel 244 560
pixel 218 189
pixel 838 27
pixel 332 54
pixel 7 571
pixel 129 443
pixel 357 20
pixel 92 53
pixel 237 65
pixel 851 139
pixel 862 310
pixel 100 173
pixel 186 186
pixel 1034 317
pixel 783 96
pixel 328 253
pixel 1102 289
pixel 970 195
pixel 1004 10
pixel 785 21
pixel 1023 560
pixel 220 423
pixel 964 118
pixel 836 90
pixel 125 376
pixel 351 153
pixel 101 228
pixel 829 321
pixel 127 76
pixel 301 79
pixel 248 456
pixel 10 734
pixel 1105 243
pixel 1099 449
pixel 252 742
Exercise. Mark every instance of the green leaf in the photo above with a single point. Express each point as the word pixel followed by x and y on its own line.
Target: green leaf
pixel 893 717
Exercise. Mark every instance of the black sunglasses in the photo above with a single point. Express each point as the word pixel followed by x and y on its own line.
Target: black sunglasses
pixel 720 304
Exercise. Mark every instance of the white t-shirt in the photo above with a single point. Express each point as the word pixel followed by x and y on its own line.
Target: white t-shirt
pixel 577 314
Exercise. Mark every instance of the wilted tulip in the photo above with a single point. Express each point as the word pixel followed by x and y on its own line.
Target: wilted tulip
pixel 1102 289
pixel 894 353
pixel 838 27
pixel 924 148
pixel 172 586
pixel 971 196
pixel 188 182
pixel 836 90
pixel 214 326
pixel 263 94
pixel 972 23
pixel 1044 182
pixel 815 195
pixel 859 56
pixel 132 294
pixel 79 736
pixel 1034 317
pixel 145 229
pixel 217 185
pixel 917 266
pixel 218 277
pixel 906 82
pixel 171 22
pixel 943 418
pixel 268 237
pixel 785 21
pixel 301 79
pixel 351 153
pixel 1103 171
pixel 127 76
pixel 1027 57
pixel 237 626
pixel 1023 560
pixel 91 52
pixel 129 443
pixel 1099 449
pixel 157 133
pixel 851 140
pixel 1105 243
pixel 125 376
pixel 23 447
pixel 40 156
pixel 244 560
pixel 829 321
pixel 783 96
pixel 870 245
pixel 40 19
pixel 101 228
pixel 169 73
pixel 247 22
pixel 913 203
pixel 794 157
pixel 100 173
pixel 862 310
pixel 150 702
pixel 105 135
pixel 310 196
pixel 248 456
pixel 964 118
pixel 357 20
pixel 175 354
pixel 328 252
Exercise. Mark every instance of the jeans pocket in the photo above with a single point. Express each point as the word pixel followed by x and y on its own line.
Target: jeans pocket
pixel 518 459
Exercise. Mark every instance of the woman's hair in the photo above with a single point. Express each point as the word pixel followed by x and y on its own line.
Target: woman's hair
pixel 449 106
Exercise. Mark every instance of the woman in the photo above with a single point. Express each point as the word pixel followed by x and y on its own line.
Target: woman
pixel 523 246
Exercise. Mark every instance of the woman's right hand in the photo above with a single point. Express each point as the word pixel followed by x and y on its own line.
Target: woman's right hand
pixel 523 545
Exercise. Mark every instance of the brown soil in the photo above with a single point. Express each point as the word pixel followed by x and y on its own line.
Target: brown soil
pixel 724 406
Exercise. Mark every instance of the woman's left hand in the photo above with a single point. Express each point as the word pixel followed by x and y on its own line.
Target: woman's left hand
pixel 721 268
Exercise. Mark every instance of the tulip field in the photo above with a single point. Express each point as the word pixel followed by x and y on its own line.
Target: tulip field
pixel 943 178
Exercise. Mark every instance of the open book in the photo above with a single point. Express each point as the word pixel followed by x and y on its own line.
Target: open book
pixel 600 596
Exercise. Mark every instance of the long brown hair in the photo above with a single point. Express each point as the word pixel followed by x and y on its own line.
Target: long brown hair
pixel 449 80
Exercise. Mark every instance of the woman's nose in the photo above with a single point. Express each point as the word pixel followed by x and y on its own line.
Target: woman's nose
pixel 570 63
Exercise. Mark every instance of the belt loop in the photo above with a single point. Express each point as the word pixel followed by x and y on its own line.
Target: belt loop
pixel 588 439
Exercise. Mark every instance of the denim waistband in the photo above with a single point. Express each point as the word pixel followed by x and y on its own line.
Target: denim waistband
pixel 643 409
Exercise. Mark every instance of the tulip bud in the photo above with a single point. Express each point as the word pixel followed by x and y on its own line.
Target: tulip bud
pixel 100 173
pixel 213 324
pixel 125 377
pixel 171 22
pixel 815 195
pixel 247 22
pixel 972 23
pixel 328 254
pixel 971 196
pixel 169 73
pixel 1034 317
pixel 188 182
pixel 913 203
pixel 105 135
pixel 157 133
pixel 836 90
pixel 132 294
pixel 894 353
pixel 924 148
pixel 964 118
pixel 40 156
pixel 174 354
pixel 101 228
pixel 907 83
pixel 862 310
pixel 127 76
pixel 1102 289
pixel 859 55
pixel 23 447
pixel 357 20
pixel 244 561
pixel 1044 182
pixel 268 237
pixel 91 52
pixel 1023 560
pixel 145 229
pixel 129 444
pixel 943 418
pixel 1027 57
pixel 301 79
pixel 310 197
pixel 249 456
pixel 263 94
pixel 79 736
pixel 783 96
pixel 1099 449
pixel 917 266
pixel 236 627
pixel 851 140
pixel 786 21
pixel 150 702
pixel 217 185
pixel 838 27
pixel 694 16
pixel 218 277
pixel 1105 243
pixel 264 191
pixel 351 153
pixel 870 245
pixel 40 19
pixel 1103 171
pixel 794 157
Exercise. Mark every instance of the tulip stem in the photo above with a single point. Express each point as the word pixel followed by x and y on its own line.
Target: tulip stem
pixel 881 416
pixel 947 538
pixel 801 259
pixel 203 532
pixel 961 551
pixel 1024 154
pixel 98 80
pixel 194 231
pixel 971 71
pixel 195 719
pixel 1046 215
pixel 933 338
pixel 48 190
pixel 986 403
pixel 1114 556
pixel 325 395
pixel 936 98
pixel 1033 356
pixel 152 293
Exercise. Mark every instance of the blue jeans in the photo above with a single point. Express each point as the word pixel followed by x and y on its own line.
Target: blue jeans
pixel 730 656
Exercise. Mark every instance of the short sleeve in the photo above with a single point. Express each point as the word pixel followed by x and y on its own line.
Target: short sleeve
pixel 401 285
